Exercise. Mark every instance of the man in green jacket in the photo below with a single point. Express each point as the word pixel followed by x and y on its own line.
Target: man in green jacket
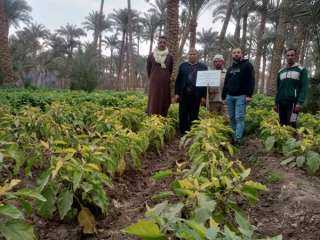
pixel 292 86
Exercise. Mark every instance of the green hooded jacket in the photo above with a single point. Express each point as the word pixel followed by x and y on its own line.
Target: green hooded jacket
pixel 292 84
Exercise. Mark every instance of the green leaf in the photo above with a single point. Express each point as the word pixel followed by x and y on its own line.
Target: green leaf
pixel 244 226
pixel 65 200
pixel 287 161
pixel 269 143
pixel 162 195
pixel 200 229
pixel 77 175
pixel 17 230
pixel 211 234
pixel 42 181
pixel 46 209
pixel 160 175
pixel 29 193
pixel 313 162
pixel 146 230
pixel 300 161
pixel 11 211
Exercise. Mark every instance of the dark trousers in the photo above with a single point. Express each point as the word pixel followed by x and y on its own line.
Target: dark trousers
pixel 285 110
pixel 188 111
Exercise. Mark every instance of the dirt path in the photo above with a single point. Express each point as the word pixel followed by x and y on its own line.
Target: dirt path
pixel 291 207
pixel 134 191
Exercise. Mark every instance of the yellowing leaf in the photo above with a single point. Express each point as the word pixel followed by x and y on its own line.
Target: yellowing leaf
pixel 94 167
pixel 57 168
pixel 121 167
pixel 45 144
pixel 8 186
pixel 87 221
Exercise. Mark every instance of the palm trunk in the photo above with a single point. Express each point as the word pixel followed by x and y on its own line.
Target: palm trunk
pixel 237 30
pixel 130 62
pixel 173 32
pixel 264 66
pixel 121 61
pixel 304 48
pixel 6 72
pixel 225 25
pixel 184 37
pixel 100 35
pixel 193 32
pixel 244 30
pixel 151 43
pixel 262 28
pixel 278 47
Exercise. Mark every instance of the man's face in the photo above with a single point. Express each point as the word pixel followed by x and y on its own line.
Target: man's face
pixel 236 54
pixel 291 57
pixel 218 64
pixel 162 44
pixel 193 56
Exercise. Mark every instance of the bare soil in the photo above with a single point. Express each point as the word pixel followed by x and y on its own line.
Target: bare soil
pixel 291 206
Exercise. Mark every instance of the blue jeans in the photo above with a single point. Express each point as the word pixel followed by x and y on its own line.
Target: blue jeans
pixel 237 110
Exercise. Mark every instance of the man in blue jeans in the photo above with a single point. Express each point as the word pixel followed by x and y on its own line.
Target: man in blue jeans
pixel 237 91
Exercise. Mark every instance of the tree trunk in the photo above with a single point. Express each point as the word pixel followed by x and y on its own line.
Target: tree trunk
pixel 244 31
pixel 237 30
pixel 278 47
pixel 151 43
pixel 193 32
pixel 262 28
pixel 184 37
pixel 303 51
pixel 100 36
pixel 264 66
pixel 119 77
pixel 129 48
pixel 173 31
pixel 225 25
pixel 6 72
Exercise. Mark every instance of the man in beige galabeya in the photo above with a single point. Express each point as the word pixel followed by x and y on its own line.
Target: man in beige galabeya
pixel 215 100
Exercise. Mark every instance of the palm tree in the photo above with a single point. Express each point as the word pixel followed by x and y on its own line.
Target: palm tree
pixel 17 11
pixel 262 26
pixel 159 9
pixel 71 34
pixel 225 24
pixel 195 7
pixel 6 72
pixel 207 40
pixel 92 23
pixel 278 45
pixel 151 23
pixel 172 30
pixel 119 19
pixel 32 34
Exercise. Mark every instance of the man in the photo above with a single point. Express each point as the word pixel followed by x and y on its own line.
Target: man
pixel 159 70
pixel 238 89
pixel 186 93
pixel 292 86
pixel 215 100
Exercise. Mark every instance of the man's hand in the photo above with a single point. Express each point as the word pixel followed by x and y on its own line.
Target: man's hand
pixel 248 99
pixel 297 108
pixel 176 98
pixel 203 101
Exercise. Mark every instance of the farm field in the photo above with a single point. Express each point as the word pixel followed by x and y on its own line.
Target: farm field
pixel 75 165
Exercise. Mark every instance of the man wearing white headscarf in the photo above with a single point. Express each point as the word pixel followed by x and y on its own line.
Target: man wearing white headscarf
pixel 215 100
pixel 159 70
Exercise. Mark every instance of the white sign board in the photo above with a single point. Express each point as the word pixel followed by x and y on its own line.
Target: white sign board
pixel 209 78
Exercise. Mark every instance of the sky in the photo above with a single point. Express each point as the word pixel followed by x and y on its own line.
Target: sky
pixel 55 13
